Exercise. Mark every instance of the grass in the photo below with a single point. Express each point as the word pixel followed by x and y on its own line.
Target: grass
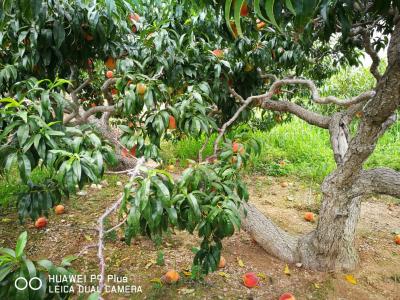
pixel 304 149
pixel 10 185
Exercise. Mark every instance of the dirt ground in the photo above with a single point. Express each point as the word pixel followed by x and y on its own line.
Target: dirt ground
pixel 377 277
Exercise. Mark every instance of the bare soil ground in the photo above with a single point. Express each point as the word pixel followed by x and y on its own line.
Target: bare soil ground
pixel 378 275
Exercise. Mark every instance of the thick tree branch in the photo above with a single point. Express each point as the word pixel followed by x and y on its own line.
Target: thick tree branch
pixel 323 100
pixel 381 181
pixel 274 240
pixel 304 114
pixel 95 110
pixel 372 53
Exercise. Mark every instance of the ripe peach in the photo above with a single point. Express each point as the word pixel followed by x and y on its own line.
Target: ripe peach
pixel 287 296
pixel 235 147
pixel 244 10
pixel 397 239
pixel 59 209
pixel 110 63
pixel 141 88
pixel 134 17
pixel 250 280
pixel 218 53
pixel 171 276
pixel 109 74
pixel 172 122
pixel 309 217
pixel 41 222
pixel 260 25
pixel 114 91
pixel 222 261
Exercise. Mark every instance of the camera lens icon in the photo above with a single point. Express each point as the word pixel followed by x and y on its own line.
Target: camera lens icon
pixel 21 283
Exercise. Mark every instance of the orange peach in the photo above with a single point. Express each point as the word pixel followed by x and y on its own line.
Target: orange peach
pixel 59 209
pixel 250 280
pixel 41 222
pixel 309 217
pixel 171 276
pixel 222 261
pixel 287 296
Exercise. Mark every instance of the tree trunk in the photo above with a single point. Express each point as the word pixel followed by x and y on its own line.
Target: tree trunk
pixel 330 247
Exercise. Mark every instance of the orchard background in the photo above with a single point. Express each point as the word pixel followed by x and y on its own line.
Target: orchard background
pixel 217 149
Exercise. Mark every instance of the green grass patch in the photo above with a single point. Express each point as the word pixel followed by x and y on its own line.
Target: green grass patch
pixel 294 148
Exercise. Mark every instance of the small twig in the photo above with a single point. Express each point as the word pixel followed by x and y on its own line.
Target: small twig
pixel 118 225
pixel 159 74
pixel 86 248
pixel 203 148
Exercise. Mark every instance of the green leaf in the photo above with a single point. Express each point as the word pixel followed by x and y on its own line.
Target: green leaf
pixel 228 5
pixel 5 270
pixel 58 33
pixel 30 267
pixel 257 10
pixel 8 251
pixel 172 214
pixel 23 134
pixel 163 191
pixel 96 142
pixel 289 5
pixel 21 243
pixel 48 265
pixel 237 6
pixel 194 204
pixel 269 8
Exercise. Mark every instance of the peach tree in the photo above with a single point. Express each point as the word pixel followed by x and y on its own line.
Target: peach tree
pixel 181 69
